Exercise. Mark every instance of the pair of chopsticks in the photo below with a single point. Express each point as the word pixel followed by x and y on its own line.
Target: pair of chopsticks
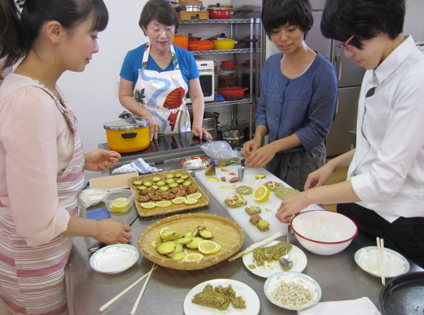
pixel 116 298
pixel 256 245
pixel 380 256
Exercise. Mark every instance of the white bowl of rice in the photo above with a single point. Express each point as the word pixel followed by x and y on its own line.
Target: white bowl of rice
pixel 292 290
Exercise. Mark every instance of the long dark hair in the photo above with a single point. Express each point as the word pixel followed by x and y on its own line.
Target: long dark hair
pixel 21 29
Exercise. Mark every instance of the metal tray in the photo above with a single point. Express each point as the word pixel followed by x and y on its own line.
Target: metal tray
pixel 403 295
pixel 202 201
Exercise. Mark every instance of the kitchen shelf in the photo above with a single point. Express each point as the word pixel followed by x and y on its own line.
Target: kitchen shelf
pixel 252 50
pixel 221 51
pixel 245 100
pixel 217 21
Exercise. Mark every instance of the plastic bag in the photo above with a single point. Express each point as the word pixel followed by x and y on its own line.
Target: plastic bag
pixel 220 152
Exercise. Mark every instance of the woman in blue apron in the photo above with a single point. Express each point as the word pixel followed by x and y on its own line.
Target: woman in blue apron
pixel 156 76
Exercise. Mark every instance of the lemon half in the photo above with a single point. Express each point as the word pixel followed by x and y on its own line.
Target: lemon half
pixel 163 203
pixel 194 196
pixel 193 257
pixel 208 247
pixel 261 194
pixel 148 205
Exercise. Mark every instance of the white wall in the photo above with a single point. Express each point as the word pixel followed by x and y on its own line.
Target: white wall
pixel 93 94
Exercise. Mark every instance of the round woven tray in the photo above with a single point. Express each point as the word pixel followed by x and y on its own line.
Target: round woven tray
pixel 227 233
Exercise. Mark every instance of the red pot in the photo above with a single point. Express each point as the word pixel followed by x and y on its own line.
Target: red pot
pixel 232 93
pixel 215 14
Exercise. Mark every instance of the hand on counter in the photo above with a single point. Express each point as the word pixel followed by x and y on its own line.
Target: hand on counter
pixel 113 232
pixel 100 160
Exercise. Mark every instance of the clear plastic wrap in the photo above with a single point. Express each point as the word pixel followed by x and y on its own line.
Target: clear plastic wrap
pixel 221 152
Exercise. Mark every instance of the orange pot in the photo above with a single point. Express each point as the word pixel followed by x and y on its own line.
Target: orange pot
pixel 181 41
pixel 195 45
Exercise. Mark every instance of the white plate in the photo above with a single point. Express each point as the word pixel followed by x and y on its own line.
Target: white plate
pixel 292 277
pixel 394 263
pixel 95 195
pixel 243 290
pixel 269 268
pixel 114 258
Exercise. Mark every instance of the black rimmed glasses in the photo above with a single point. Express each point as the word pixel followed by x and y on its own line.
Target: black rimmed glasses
pixel 343 46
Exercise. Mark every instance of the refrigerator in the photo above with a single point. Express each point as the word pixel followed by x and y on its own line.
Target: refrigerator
pixel 349 76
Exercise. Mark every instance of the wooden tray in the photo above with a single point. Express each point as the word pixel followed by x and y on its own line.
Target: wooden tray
pixel 227 233
pixel 193 15
pixel 202 201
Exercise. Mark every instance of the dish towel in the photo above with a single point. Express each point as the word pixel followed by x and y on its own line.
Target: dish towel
pixel 362 306
pixel 136 166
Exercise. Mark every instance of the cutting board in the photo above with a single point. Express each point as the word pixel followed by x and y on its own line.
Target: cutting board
pixel 220 190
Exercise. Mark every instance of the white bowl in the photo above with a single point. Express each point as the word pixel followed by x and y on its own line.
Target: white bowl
pixel 297 291
pixel 324 232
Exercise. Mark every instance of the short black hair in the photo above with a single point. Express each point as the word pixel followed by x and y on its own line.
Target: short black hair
pixel 278 13
pixel 158 10
pixel 363 18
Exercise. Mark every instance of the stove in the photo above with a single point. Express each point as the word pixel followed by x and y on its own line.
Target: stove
pixel 166 149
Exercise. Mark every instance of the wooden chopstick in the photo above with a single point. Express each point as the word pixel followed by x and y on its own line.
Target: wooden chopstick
pixel 142 291
pixel 256 245
pixel 380 255
pixel 117 297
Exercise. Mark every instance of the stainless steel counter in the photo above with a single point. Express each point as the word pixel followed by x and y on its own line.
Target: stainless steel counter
pixel 339 276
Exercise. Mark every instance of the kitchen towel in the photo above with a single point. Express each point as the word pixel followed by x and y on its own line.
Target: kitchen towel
pixel 362 306
pixel 136 166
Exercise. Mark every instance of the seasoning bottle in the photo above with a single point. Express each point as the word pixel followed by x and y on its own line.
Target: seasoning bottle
pixel 227 74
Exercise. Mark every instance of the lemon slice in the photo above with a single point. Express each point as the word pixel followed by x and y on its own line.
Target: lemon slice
pixel 148 205
pixel 194 196
pixel 163 204
pixel 119 203
pixel 261 194
pixel 193 257
pixel 190 201
pixel 208 247
pixel 179 200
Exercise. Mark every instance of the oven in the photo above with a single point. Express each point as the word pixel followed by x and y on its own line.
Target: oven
pixel 206 71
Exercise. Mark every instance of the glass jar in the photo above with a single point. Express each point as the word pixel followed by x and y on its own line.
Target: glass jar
pixel 227 74
pixel 245 76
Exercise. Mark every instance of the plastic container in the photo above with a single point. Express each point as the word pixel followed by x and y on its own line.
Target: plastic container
pixel 227 74
pixel 119 200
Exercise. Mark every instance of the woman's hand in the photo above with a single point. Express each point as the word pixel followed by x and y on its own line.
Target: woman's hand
pixel 198 131
pixel 153 127
pixel 291 205
pixel 319 177
pixel 260 157
pixel 249 147
pixel 113 232
pixel 100 160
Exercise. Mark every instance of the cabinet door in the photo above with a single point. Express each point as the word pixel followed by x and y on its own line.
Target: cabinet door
pixel 339 140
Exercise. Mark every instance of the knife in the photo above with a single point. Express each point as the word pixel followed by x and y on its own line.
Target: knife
pixel 241 170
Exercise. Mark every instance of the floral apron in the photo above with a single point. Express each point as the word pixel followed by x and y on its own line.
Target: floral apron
pixel 163 94
pixel 32 279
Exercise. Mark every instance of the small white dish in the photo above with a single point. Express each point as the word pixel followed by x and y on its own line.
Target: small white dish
pixel 394 263
pixel 269 268
pixel 287 282
pixel 95 195
pixel 243 290
pixel 114 258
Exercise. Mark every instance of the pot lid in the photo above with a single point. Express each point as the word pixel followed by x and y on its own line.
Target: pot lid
pixel 220 6
pixel 126 124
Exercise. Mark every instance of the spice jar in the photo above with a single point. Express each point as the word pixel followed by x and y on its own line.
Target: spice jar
pixel 245 76
pixel 227 74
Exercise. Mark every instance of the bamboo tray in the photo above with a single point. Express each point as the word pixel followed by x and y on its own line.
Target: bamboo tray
pixel 202 201
pixel 227 233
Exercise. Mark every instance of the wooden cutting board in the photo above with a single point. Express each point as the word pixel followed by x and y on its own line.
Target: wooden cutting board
pixel 220 190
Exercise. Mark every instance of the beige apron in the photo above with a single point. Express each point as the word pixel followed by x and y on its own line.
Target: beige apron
pixel 163 94
pixel 32 279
